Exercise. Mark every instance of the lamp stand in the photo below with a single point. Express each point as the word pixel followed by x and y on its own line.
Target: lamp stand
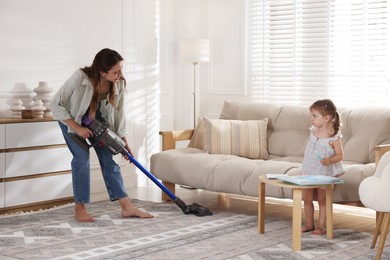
pixel 195 51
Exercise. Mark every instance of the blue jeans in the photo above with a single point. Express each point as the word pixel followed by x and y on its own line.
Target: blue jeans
pixel 81 170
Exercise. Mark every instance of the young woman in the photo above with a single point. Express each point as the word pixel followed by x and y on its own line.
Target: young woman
pixel 323 156
pixel 97 91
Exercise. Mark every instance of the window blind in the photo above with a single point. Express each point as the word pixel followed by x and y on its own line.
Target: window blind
pixel 304 50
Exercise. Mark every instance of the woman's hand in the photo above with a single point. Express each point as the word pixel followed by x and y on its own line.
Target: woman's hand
pixel 84 132
pixel 127 148
pixel 130 151
pixel 80 130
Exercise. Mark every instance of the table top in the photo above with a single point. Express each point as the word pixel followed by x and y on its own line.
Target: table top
pixel 284 184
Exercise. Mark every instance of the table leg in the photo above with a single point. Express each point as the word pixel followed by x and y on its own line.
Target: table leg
pixel 329 211
pixel 261 208
pixel 297 219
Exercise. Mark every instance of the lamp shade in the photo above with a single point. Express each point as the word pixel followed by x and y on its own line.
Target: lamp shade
pixel 195 50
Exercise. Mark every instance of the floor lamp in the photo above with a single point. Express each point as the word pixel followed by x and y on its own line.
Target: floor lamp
pixel 195 51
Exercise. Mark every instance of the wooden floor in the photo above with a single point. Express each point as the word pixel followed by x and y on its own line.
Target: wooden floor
pixel 348 217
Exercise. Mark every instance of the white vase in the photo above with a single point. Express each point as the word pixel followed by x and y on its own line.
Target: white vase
pixel 38 109
pixel 16 108
pixel 22 92
pixel 43 93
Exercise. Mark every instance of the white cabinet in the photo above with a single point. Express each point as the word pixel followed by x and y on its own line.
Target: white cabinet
pixel 35 190
pixel 2 165
pixel 35 164
pixel 33 134
pixel 2 137
pixel 24 163
pixel 2 156
pixel 2 197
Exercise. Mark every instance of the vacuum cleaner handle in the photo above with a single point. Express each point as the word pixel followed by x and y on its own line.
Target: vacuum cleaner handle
pixel 80 141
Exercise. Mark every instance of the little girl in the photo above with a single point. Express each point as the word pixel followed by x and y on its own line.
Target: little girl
pixel 323 156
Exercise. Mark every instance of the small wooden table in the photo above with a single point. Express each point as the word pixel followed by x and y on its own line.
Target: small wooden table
pixel 297 208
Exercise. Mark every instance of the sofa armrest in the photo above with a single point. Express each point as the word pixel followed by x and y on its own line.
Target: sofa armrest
pixel 380 150
pixel 169 138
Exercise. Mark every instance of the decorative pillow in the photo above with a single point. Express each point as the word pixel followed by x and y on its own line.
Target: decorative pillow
pixel 236 137
pixel 197 137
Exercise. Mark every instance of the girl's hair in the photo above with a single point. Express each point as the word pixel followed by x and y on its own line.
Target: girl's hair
pixel 327 108
pixel 104 60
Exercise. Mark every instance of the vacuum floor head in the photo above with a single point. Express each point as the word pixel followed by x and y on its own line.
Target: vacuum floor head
pixel 199 210
pixel 194 208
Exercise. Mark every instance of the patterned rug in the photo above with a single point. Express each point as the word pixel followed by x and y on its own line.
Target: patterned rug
pixel 53 234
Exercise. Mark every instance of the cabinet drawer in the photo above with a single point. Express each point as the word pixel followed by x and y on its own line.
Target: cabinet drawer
pixel 38 190
pixel 33 134
pixel 37 161
pixel 2 165
pixel 2 136
pixel 2 194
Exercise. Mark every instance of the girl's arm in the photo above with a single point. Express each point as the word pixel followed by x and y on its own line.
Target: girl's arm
pixel 338 153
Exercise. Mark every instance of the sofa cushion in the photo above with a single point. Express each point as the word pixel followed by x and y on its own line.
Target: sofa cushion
pixel 288 125
pixel 364 128
pixel 290 131
pixel 236 137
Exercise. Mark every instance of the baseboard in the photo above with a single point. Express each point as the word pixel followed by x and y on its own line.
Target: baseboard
pixel 36 206
pixel 352 203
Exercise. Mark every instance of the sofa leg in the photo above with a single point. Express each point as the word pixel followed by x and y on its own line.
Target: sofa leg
pixel 171 187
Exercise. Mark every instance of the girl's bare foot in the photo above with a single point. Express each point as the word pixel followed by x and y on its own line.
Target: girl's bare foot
pixel 307 229
pixel 319 231
pixel 81 214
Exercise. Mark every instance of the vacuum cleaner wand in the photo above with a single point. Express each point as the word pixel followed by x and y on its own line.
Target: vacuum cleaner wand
pixel 195 208
pixel 104 136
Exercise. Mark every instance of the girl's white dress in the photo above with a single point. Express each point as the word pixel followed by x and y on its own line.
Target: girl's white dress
pixel 316 150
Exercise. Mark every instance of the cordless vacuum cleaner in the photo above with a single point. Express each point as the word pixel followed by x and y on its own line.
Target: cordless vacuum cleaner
pixel 102 135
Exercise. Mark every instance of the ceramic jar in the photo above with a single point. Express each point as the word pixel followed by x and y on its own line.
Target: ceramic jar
pixel 38 109
pixel 17 108
pixel 43 93
pixel 21 92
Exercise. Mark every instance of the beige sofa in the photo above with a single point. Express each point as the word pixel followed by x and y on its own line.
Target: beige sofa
pixel 215 162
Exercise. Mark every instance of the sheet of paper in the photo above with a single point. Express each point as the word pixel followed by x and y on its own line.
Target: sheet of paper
pixel 274 176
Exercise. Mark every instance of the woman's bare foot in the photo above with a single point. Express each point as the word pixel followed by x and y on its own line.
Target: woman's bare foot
pixel 307 228
pixel 81 214
pixel 319 231
pixel 128 210
pixel 134 212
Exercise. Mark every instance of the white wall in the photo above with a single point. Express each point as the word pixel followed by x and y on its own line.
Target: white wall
pixel 221 21
pixel 46 40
